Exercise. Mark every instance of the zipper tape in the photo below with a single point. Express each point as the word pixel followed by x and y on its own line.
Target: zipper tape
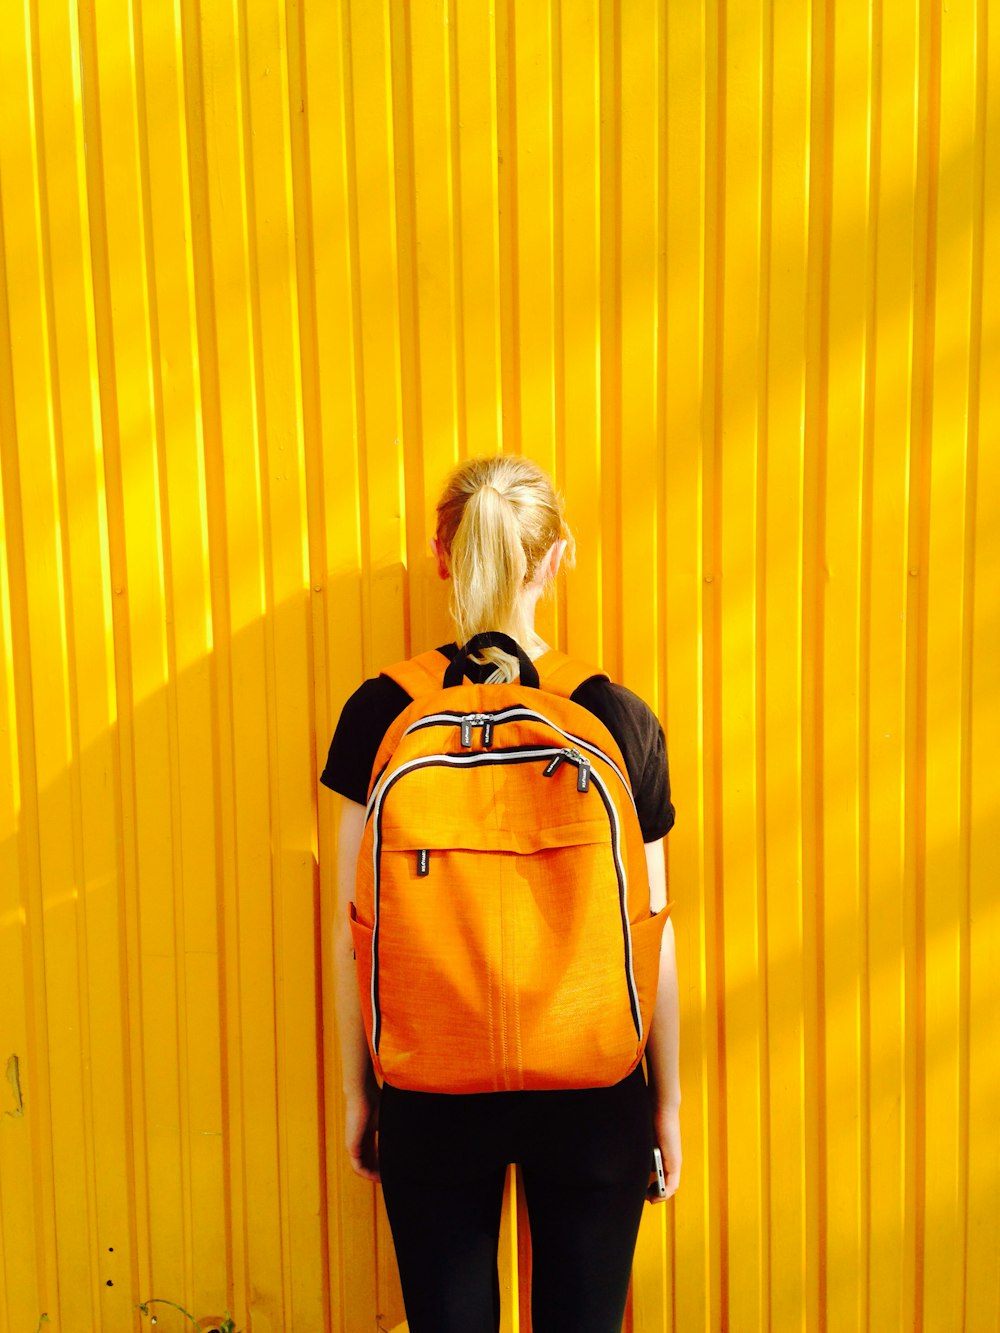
pixel 515 714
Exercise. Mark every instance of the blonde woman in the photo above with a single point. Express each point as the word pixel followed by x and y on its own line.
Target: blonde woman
pixel 585 1153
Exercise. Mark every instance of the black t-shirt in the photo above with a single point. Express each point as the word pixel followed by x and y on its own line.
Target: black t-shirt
pixel 376 704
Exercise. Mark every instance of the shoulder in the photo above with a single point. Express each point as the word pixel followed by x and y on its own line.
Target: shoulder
pixel 369 711
pixel 364 719
pixel 625 714
pixel 373 698
pixel 637 730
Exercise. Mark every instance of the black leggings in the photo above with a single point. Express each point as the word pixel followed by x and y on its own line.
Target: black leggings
pixel 585 1157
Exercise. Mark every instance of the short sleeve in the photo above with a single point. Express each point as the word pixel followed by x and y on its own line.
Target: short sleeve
pixel 652 798
pixel 364 720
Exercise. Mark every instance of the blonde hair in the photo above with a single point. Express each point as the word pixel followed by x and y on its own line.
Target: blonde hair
pixel 496 519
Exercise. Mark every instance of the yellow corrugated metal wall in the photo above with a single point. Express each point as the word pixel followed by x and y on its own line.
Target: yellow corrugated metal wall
pixel 266 269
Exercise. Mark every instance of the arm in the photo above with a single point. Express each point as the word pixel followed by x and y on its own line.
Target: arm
pixel 663 1043
pixel 361 1091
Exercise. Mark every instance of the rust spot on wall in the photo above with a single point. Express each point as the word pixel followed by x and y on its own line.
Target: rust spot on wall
pixel 14 1079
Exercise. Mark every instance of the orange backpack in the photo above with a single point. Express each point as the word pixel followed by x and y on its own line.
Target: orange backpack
pixel 501 926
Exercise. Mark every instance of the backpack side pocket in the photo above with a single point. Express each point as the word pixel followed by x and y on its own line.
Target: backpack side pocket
pixel 362 938
pixel 646 938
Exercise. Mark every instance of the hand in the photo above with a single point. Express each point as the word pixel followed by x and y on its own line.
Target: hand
pixel 667 1134
pixel 360 1124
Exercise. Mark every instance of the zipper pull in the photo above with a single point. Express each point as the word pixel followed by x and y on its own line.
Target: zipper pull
pixel 581 763
pixel 582 769
pixel 469 724
pixel 423 863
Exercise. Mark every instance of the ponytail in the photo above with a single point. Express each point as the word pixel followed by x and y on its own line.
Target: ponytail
pixel 496 520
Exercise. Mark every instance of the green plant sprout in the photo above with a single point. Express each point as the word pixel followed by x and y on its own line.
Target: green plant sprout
pixel 226 1325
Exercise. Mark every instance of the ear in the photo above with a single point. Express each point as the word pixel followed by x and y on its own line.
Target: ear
pixel 548 566
pixel 554 558
pixel 437 550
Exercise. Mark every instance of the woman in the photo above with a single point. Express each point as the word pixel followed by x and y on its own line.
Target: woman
pixel 584 1153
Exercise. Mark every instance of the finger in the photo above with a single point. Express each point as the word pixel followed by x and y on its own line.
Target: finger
pixel 365 1172
pixel 356 1150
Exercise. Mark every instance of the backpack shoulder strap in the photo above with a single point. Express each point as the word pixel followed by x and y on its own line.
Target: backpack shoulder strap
pixel 557 673
pixel 562 675
pixel 419 675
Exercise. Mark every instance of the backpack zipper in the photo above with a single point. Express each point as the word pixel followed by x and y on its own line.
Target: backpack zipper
pixel 556 757
pixel 469 721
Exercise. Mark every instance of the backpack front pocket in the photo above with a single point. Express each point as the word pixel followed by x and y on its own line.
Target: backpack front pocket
pixel 496 969
pixel 501 950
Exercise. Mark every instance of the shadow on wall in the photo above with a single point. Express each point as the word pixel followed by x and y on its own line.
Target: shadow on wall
pixel 174 1057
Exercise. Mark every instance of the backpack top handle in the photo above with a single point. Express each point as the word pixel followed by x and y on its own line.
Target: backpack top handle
pixel 459 664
